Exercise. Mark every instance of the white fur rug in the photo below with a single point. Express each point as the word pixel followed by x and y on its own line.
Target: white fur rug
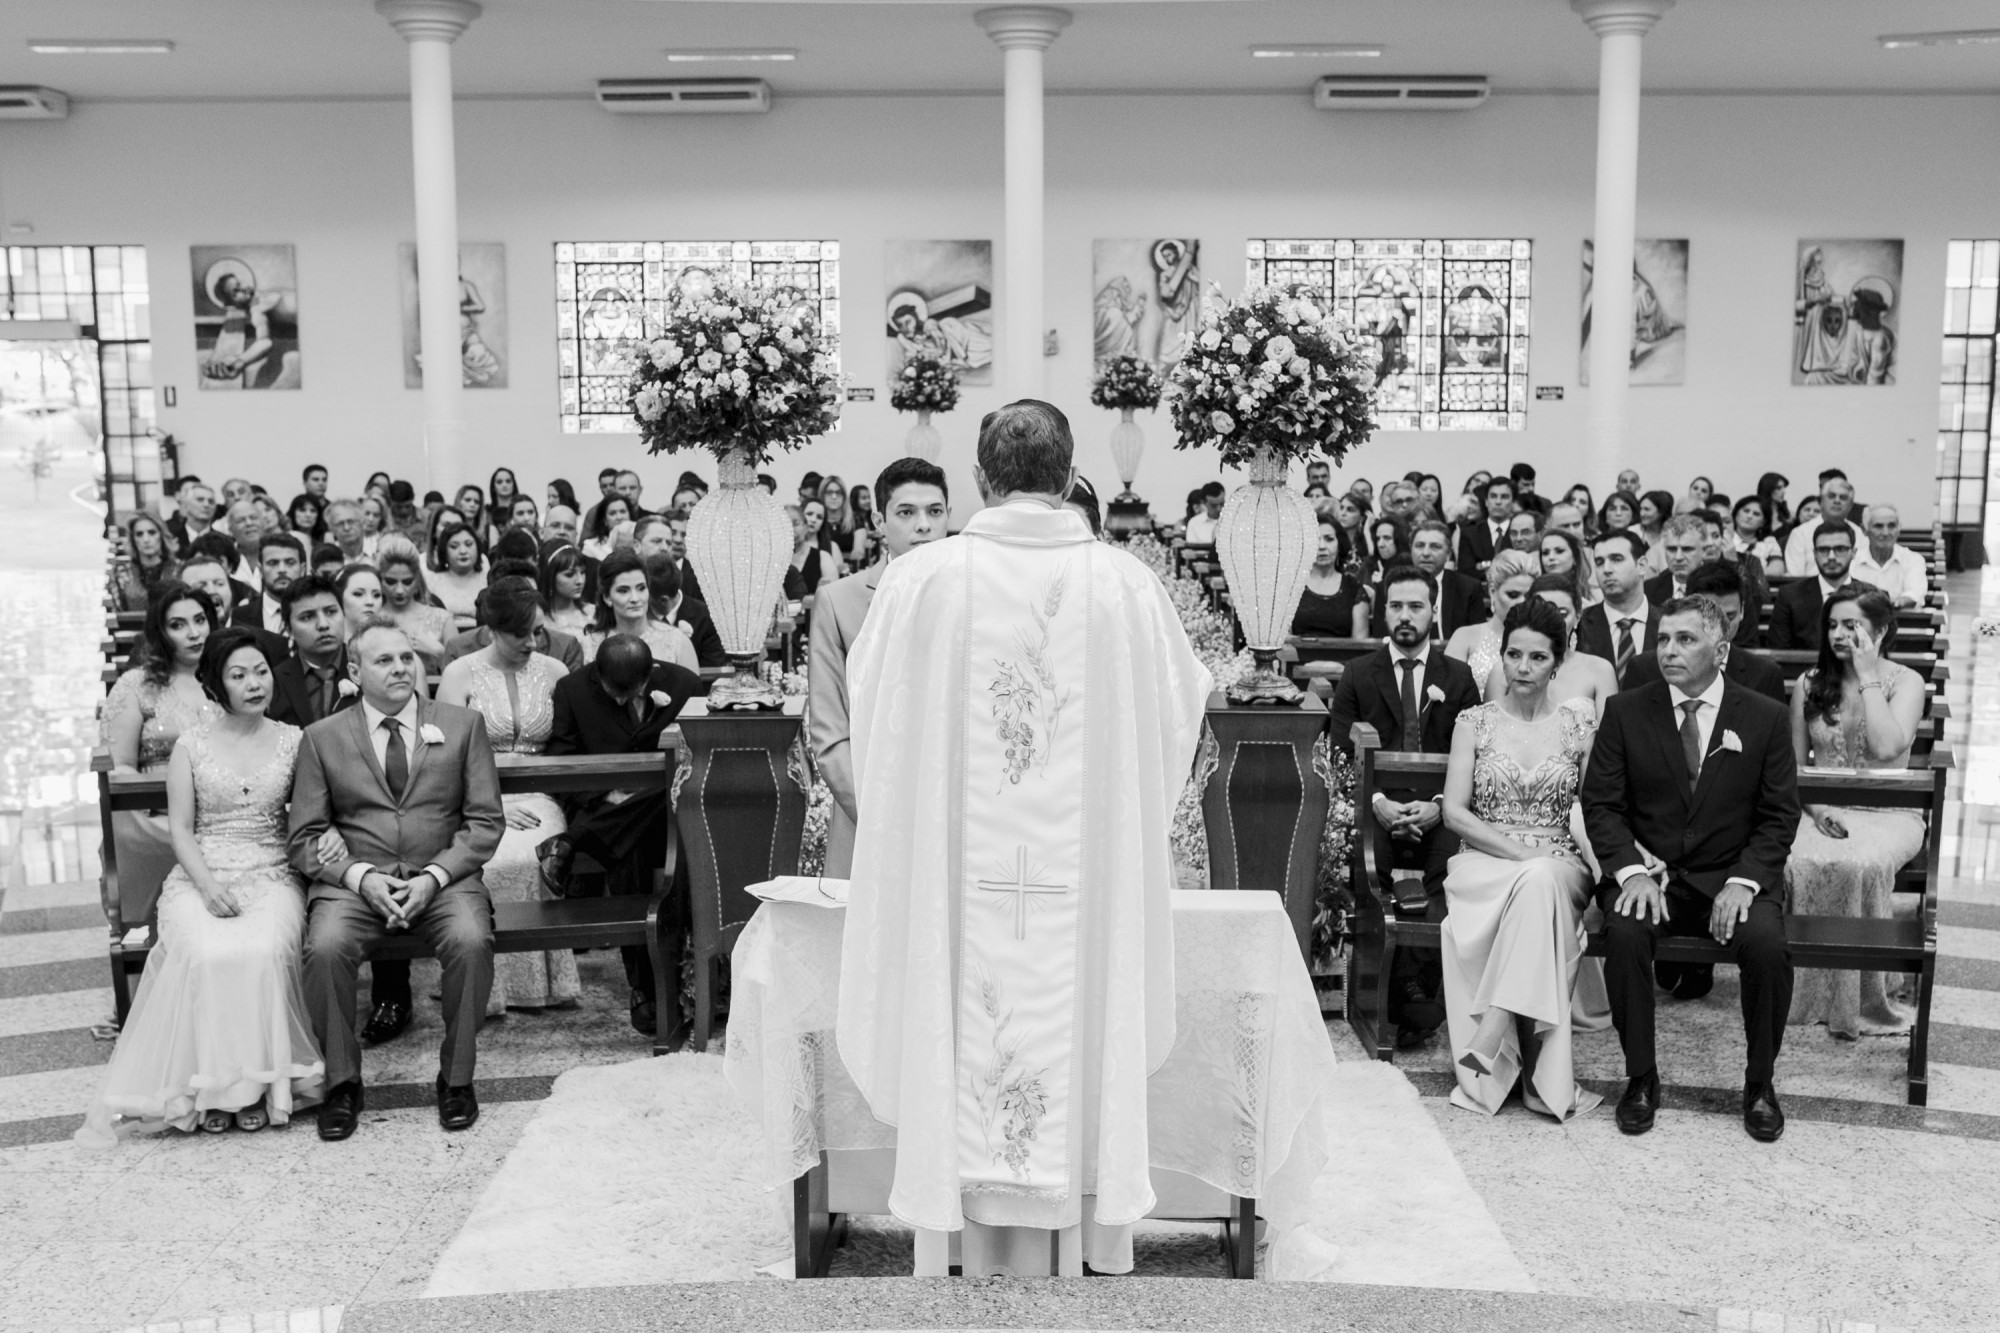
pixel 641 1173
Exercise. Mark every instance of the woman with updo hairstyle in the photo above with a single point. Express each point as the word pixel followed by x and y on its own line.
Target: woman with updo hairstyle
pixel 359 588
pixel 625 606
pixel 1507 580
pixel 408 601
pixel 1581 676
pixel 1515 894
pixel 148 561
pixel 512 686
pixel 218 1035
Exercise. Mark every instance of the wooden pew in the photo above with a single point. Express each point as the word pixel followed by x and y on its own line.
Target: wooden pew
pixel 1837 942
pixel 518 927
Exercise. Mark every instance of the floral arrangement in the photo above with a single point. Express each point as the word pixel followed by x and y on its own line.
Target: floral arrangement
pixel 1271 370
pixel 742 367
pixel 925 384
pixel 1125 383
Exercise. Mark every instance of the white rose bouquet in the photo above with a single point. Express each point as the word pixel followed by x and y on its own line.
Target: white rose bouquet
pixel 738 368
pixel 1273 370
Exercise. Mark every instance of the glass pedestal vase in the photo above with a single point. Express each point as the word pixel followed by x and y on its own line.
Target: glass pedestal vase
pixel 1266 538
pixel 739 542
pixel 1128 442
pixel 923 441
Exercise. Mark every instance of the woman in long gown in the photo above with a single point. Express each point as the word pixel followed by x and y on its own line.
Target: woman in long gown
pixel 513 687
pixel 1511 937
pixel 218 1033
pixel 1507 580
pixel 1855 709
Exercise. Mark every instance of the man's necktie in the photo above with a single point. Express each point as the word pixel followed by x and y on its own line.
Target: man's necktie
pixel 1626 648
pixel 1413 731
pixel 396 759
pixel 324 703
pixel 1691 740
pixel 638 708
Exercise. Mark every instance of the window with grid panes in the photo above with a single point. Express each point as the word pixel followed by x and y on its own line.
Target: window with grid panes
pixel 1965 391
pixel 101 288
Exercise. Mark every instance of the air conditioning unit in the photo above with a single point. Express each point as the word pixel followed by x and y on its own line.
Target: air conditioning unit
pixel 683 96
pixel 23 102
pixel 1399 92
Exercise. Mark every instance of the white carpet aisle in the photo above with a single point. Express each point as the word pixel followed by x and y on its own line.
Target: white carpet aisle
pixel 640 1173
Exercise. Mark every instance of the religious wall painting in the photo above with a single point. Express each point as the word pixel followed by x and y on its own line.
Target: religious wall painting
pixel 482 314
pixel 246 316
pixel 1846 312
pixel 940 305
pixel 611 299
pixel 1659 311
pixel 1447 321
pixel 1145 298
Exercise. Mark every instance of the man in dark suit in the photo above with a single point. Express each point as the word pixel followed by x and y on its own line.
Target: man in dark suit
pixel 1795 611
pixel 1479 538
pixel 1412 694
pixel 210 574
pixel 1461 600
pixel 672 604
pixel 1691 803
pixel 306 685
pixel 1721 581
pixel 1621 626
pixel 281 559
pixel 1525 499
pixel 195 517
pixel 1681 541
pixel 620 704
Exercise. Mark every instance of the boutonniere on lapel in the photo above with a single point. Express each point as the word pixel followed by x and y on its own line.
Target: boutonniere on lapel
pixel 687 629
pixel 346 689
pixel 431 734
pixel 661 699
pixel 1433 695
pixel 1731 743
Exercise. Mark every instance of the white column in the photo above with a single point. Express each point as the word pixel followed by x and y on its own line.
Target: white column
pixel 1023 32
pixel 430 27
pixel 1621 26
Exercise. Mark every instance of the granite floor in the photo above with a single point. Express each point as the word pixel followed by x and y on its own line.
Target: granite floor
pixel 1868 1212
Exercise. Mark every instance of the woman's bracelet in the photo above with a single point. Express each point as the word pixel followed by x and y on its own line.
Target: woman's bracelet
pixel 1875 685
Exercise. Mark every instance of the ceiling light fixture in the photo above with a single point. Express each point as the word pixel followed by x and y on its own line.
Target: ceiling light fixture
pixel 731 55
pixel 99 46
pixel 1354 50
pixel 1896 41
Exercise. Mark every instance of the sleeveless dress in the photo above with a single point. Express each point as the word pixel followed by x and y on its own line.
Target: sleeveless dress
pixel 145 851
pixel 523 980
pixel 1850 876
pixel 1485 655
pixel 219 1020
pixel 1511 930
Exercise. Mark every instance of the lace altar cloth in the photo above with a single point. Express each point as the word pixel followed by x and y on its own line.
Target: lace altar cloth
pixel 1237 1105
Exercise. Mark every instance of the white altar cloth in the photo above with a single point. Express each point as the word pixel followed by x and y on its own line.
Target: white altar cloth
pixel 1236 1106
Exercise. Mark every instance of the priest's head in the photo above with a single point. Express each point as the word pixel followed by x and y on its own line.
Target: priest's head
pixel 1025 450
pixel 915 504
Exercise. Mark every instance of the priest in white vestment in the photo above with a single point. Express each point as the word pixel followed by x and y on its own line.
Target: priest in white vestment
pixel 1025 710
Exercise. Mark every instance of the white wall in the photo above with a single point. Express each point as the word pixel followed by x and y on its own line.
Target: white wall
pixel 1744 177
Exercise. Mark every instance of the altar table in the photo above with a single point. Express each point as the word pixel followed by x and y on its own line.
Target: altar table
pixel 1234 1114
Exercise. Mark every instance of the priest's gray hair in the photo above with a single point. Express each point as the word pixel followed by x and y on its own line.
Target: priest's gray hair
pixel 1025 448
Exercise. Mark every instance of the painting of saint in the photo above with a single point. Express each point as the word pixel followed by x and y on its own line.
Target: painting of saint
pixel 1844 312
pixel 482 315
pixel 611 332
pixel 1387 305
pixel 940 306
pixel 246 316
pixel 1145 298
pixel 1475 330
pixel 1659 310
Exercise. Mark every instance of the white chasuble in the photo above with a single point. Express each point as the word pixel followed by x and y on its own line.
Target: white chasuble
pixel 1025 708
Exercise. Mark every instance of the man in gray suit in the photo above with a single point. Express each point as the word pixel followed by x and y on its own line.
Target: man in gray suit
pixel 412 788
pixel 915 506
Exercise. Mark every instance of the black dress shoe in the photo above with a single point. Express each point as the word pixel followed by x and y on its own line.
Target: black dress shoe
pixel 340 1112
pixel 386 1022
pixel 1762 1115
pixel 1668 975
pixel 458 1107
pixel 1416 1014
pixel 645 1014
pixel 1641 1100
pixel 1696 980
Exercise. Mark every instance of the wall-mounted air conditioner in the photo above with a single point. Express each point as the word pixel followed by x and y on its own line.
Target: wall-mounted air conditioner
pixel 24 102
pixel 1399 92
pixel 683 96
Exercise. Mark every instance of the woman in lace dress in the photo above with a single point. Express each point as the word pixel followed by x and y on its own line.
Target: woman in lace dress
pixel 1507 580
pixel 218 1033
pixel 146 712
pixel 1511 939
pixel 1855 709
pixel 513 687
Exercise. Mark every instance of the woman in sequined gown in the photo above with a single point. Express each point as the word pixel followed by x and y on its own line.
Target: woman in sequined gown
pixel 1511 938
pixel 1507 582
pixel 1855 709
pixel 513 687
pixel 218 1033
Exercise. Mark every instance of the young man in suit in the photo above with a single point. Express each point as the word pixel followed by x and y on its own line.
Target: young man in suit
pixel 1795 611
pixel 915 504
pixel 281 559
pixel 1621 626
pixel 1479 538
pixel 306 684
pixel 620 704
pixel 1460 600
pixel 1721 581
pixel 673 605
pixel 1691 803
pixel 1411 694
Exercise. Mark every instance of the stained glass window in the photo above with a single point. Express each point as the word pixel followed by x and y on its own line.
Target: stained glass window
pixel 1965 393
pixel 101 288
pixel 1448 318
pixel 611 297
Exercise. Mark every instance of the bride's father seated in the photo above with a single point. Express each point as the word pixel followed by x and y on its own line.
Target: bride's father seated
pixel 411 787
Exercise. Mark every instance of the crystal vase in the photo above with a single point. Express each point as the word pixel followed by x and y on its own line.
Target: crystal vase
pixel 1266 537
pixel 739 541
pixel 1128 442
pixel 923 441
